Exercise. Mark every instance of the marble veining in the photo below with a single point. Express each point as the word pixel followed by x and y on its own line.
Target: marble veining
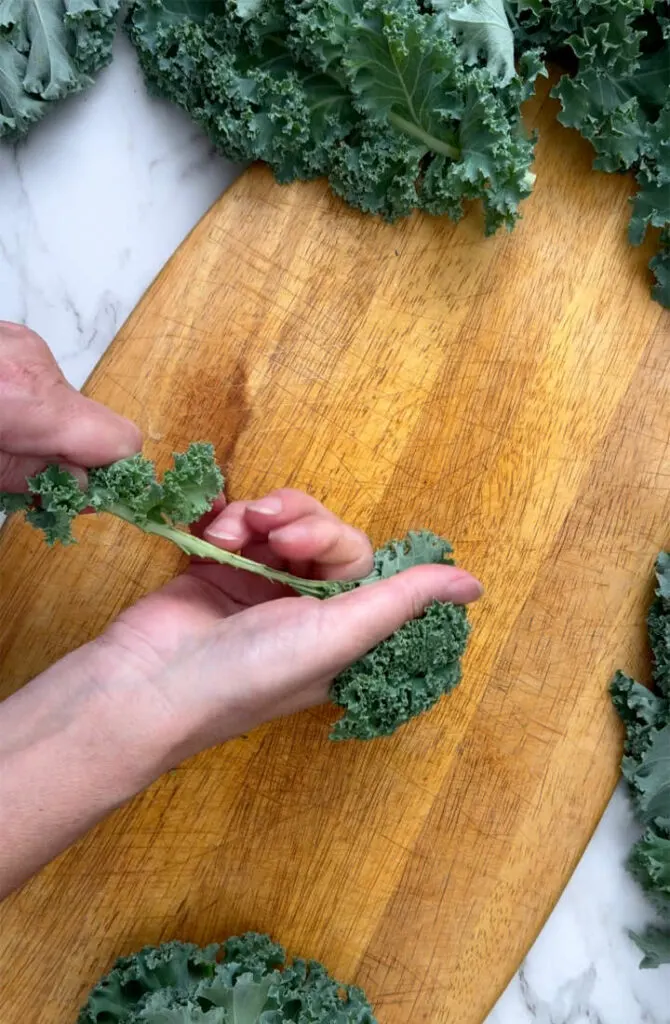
pixel 91 207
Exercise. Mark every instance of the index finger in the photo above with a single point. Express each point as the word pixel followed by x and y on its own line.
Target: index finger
pixel 303 533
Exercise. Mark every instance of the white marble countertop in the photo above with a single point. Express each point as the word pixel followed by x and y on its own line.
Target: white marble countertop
pixel 91 207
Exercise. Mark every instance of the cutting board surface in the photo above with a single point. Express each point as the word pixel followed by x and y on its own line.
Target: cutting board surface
pixel 512 393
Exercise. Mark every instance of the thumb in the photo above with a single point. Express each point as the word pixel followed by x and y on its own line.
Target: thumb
pixel 354 622
pixel 289 643
pixel 43 418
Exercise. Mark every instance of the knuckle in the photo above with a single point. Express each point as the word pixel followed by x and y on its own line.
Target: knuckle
pixel 413 595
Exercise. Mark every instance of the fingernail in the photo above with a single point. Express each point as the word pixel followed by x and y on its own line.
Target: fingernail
pixel 270 506
pixel 290 532
pixel 465 588
pixel 225 531
pixel 130 438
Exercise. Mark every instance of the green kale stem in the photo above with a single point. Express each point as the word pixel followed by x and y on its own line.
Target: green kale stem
pixel 195 546
pixel 429 140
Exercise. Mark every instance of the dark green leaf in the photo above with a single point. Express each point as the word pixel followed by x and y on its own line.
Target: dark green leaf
pixel 48 49
pixel 655 944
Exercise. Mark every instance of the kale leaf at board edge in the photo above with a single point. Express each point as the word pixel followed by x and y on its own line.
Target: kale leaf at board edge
pixel 400 678
pixel 617 96
pixel 646 768
pixel 247 980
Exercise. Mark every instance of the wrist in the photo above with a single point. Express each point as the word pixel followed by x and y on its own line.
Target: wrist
pixel 74 746
pixel 134 730
pixel 89 711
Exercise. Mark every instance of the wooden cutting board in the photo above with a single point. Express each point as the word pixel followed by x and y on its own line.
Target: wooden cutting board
pixel 512 393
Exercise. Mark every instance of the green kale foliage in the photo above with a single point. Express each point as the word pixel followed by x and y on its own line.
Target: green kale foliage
pixel 408 673
pixel 618 98
pixel 382 98
pixel 48 49
pixel 646 768
pixel 397 680
pixel 248 980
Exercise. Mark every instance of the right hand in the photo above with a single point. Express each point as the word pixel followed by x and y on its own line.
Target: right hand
pixel 217 651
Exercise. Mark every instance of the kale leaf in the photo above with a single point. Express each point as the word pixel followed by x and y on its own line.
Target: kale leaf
pixel 618 98
pixel 646 768
pixel 376 96
pixel 48 49
pixel 247 980
pixel 398 679
pixel 483 30
pixel 407 674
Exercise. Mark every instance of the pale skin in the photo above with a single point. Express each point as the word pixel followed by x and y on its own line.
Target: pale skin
pixel 208 657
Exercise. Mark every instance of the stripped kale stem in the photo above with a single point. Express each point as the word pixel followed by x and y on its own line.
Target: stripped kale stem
pixel 198 548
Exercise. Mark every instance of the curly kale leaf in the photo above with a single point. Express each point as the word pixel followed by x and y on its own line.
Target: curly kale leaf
pixel 128 489
pixel 48 49
pixel 376 96
pixel 646 767
pixel 618 98
pixel 407 674
pixel 655 944
pixel 649 863
pixel 658 623
pixel 248 980
pixel 642 711
pixel 57 500
pixel 482 28
pixel 648 777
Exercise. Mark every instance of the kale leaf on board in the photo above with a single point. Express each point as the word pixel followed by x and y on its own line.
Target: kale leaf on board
pixel 618 97
pixel 646 768
pixel 49 49
pixel 247 980
pixel 397 680
pixel 407 674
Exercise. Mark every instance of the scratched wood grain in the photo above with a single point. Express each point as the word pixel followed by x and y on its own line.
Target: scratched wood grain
pixel 512 393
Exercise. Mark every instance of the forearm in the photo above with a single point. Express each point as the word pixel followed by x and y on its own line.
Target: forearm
pixel 73 747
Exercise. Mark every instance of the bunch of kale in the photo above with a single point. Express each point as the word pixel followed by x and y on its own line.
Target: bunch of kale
pixel 375 95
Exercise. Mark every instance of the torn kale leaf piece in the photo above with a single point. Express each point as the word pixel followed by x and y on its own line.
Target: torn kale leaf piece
pixel 406 674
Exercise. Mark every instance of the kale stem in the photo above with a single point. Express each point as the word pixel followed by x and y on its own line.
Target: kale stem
pixel 191 545
pixel 409 128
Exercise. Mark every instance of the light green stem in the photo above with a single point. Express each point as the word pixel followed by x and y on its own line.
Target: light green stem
pixel 191 545
pixel 409 128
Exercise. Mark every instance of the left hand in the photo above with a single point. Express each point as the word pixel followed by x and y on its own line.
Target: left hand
pixel 44 419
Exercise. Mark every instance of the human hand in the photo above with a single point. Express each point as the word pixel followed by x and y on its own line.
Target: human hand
pixel 44 419
pixel 212 654
pixel 218 651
